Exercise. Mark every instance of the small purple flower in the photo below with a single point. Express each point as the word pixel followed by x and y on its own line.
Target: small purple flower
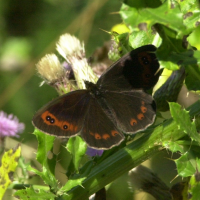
pixel 93 152
pixel 9 125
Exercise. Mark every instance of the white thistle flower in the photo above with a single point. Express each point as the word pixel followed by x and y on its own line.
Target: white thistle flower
pixel 69 46
pixel 50 69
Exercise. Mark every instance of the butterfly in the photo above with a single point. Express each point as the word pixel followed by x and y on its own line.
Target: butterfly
pixel 116 104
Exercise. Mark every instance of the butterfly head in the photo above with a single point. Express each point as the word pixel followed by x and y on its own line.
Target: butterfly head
pixel 92 88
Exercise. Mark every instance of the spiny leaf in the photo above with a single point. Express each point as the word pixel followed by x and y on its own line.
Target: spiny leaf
pixel 77 147
pixel 33 194
pixel 71 184
pixel 182 118
pixel 45 144
pixel 173 146
pixel 189 162
pixel 185 166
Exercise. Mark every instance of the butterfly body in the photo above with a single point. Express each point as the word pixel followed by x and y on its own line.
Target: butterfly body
pixel 102 112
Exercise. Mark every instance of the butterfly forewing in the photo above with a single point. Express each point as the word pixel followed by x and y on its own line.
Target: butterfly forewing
pixel 99 131
pixel 133 110
pixel 136 70
pixel 63 116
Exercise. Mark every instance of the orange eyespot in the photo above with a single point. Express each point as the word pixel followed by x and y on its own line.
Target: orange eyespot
pixel 106 136
pixel 97 136
pixel 114 133
pixel 143 109
pixel 133 122
pixel 140 116
pixel 48 118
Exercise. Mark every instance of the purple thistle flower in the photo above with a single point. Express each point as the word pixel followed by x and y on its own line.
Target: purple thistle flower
pixel 9 125
pixel 93 152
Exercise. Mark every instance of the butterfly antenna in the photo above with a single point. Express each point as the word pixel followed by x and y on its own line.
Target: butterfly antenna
pixel 158 71
pixel 105 31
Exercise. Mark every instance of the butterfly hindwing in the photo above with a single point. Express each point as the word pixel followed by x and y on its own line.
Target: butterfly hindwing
pixel 136 112
pixel 99 131
pixel 64 116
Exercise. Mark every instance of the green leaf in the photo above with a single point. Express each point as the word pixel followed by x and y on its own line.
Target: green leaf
pixel 185 166
pixel 195 192
pixel 71 184
pixel 173 146
pixel 193 38
pixel 182 118
pixel 77 148
pixel 51 162
pixel 181 146
pixel 169 65
pixel 140 38
pixel 77 179
pixel 190 9
pixel 9 163
pixel 188 5
pixel 189 163
pixel 47 177
pixel 45 144
pixel 165 14
pixel 33 194
pixel 189 59
pixel 185 58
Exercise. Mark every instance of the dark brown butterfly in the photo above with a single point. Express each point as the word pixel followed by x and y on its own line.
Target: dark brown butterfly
pixel 117 103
